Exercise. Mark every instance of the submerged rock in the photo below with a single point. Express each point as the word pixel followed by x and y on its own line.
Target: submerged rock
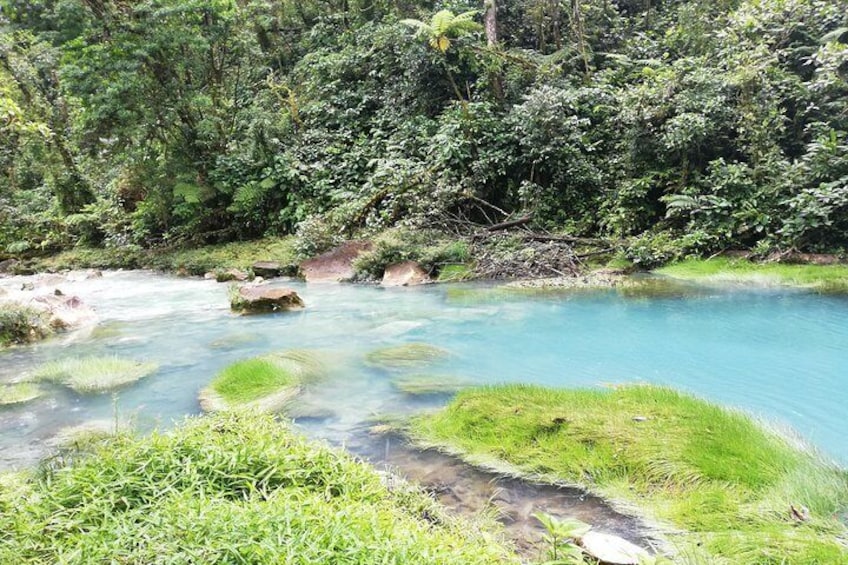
pixel 405 273
pixel 405 356
pixel 265 299
pixel 64 312
pixel 423 385
pixel 608 549
pixel 335 265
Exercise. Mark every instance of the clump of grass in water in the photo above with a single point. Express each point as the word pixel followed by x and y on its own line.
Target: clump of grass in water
pixel 94 374
pixel 715 473
pixel 266 383
pixel 405 356
pixel 230 488
pixel 19 393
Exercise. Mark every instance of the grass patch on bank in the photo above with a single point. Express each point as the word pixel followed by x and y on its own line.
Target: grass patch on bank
pixel 266 382
pixel 726 481
pixel 196 261
pixel 19 393
pixel 229 488
pixel 94 374
pixel 823 278
pixel 21 324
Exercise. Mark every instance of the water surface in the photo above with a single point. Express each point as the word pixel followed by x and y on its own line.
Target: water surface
pixel 779 354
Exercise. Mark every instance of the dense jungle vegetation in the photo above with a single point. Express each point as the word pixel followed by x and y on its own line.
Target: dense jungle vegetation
pixel 670 126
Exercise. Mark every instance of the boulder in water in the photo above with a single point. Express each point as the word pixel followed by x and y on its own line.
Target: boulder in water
pixel 335 265
pixel 405 273
pixel 8 266
pixel 264 299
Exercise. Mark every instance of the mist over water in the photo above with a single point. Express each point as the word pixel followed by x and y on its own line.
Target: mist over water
pixel 776 353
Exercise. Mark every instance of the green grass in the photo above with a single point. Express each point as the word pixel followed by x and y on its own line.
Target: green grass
pixel 715 475
pixel 21 324
pixel 408 355
pixel 18 393
pixel 197 261
pixel 456 273
pixel 266 382
pixel 824 278
pixel 94 374
pixel 232 488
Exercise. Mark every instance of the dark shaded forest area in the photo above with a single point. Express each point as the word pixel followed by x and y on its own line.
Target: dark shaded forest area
pixel 672 126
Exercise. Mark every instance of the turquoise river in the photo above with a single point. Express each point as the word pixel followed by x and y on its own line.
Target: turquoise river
pixel 779 354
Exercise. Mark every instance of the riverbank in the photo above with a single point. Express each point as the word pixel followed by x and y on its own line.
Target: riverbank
pixel 722 487
pixel 230 488
pixel 830 278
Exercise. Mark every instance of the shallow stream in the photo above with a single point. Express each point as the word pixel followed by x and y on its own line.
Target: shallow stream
pixel 779 354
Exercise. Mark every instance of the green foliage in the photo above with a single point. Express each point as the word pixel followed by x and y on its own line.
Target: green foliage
pixel 174 123
pixel 234 488
pixel 724 479
pixel 430 249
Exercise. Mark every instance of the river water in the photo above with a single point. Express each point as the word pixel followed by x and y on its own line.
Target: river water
pixel 776 353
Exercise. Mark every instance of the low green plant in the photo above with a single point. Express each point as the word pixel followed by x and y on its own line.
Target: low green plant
pixel 561 537
pixel 230 488
pixel 94 374
pixel 724 483
pixel 21 324
pixel 405 356
pixel 822 278
pixel 19 393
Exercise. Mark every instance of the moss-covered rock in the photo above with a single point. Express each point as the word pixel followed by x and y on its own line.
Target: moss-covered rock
pixel 94 374
pixel 424 384
pixel 19 393
pixel 264 383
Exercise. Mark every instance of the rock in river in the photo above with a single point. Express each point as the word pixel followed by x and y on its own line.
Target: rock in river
pixel 405 273
pixel 264 299
pixel 335 265
pixel 612 550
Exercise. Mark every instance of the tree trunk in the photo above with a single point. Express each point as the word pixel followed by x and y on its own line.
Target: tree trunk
pixel 490 19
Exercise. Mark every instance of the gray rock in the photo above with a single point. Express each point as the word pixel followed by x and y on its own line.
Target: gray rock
pixel 611 550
